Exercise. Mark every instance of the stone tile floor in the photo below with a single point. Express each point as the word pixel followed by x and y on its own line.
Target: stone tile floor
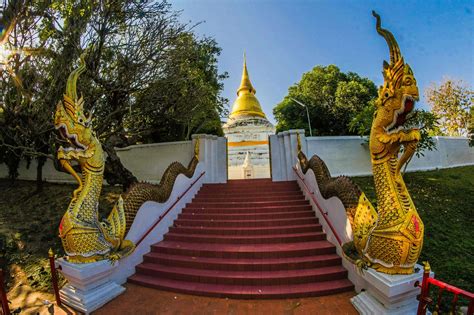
pixel 142 300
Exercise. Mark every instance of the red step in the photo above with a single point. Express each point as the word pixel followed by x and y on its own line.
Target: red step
pixel 247 230
pixel 255 204
pixel 244 251
pixel 245 216
pixel 218 198
pixel 245 239
pixel 243 264
pixel 273 194
pixel 242 223
pixel 252 239
pixel 245 291
pixel 296 276
pixel 191 209
pixel 242 190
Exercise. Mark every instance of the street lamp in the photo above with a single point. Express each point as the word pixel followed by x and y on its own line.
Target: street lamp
pixel 307 114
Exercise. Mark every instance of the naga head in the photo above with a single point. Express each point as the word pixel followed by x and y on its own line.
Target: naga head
pixel 70 120
pixel 398 94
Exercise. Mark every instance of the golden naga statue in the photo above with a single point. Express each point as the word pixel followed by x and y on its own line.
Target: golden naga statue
pixel 389 239
pixel 86 239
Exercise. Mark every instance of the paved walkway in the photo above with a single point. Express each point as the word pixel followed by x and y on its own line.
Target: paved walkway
pixel 142 300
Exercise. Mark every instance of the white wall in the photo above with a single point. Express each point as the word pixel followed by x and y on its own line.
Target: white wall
pixel 349 155
pixel 148 161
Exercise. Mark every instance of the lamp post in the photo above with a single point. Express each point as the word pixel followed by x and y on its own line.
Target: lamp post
pixel 307 115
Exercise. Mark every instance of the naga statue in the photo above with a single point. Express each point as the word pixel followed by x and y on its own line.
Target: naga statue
pixel 86 239
pixel 390 238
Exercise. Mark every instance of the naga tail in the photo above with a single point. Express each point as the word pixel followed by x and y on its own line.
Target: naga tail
pixel 139 193
pixel 342 186
pixel 360 212
pixel 125 210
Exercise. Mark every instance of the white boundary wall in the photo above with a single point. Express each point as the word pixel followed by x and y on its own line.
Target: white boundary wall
pixel 349 155
pixel 147 161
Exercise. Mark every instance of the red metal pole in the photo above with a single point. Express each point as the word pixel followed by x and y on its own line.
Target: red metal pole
pixel 424 295
pixel 470 309
pixel 54 276
pixel 3 295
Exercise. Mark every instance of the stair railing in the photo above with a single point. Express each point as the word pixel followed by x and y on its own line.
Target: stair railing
pixel 54 276
pixel 323 213
pixel 161 217
pixel 3 296
pixel 425 298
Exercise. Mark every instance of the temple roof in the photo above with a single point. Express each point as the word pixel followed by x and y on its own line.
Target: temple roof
pixel 246 103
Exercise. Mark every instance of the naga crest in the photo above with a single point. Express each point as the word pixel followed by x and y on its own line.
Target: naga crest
pixel 70 119
pixel 396 100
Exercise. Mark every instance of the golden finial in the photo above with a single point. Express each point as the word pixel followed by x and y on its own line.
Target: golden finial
pixel 426 267
pixel 245 84
pixel 246 103
pixel 50 252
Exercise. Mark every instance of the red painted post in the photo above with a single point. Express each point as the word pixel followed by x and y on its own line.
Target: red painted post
pixel 424 295
pixel 3 295
pixel 54 276
pixel 470 309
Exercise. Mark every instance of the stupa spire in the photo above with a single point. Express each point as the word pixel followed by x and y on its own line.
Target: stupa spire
pixel 246 103
pixel 245 84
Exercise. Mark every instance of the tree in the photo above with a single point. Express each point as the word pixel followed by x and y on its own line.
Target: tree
pixel 451 101
pixel 333 99
pixel 25 126
pixel 149 77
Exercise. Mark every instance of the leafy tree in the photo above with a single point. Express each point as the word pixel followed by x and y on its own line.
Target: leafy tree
pixel 25 125
pixel 148 79
pixel 333 99
pixel 451 101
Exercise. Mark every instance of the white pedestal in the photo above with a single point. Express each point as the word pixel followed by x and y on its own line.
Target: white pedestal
pixel 89 286
pixel 389 294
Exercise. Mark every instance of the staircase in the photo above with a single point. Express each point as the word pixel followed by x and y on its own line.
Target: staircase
pixel 245 239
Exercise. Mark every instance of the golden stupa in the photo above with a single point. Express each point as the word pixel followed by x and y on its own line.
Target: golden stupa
pixel 247 131
pixel 246 103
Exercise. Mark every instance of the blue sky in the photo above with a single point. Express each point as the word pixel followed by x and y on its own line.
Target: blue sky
pixel 283 39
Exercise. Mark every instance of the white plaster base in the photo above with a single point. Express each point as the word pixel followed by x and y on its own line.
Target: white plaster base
pixel 89 301
pixel 365 303
pixel 89 285
pixel 388 294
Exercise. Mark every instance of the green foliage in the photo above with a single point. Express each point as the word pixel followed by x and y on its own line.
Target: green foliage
pixel 451 101
pixel 333 99
pixel 188 106
pixel 149 78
